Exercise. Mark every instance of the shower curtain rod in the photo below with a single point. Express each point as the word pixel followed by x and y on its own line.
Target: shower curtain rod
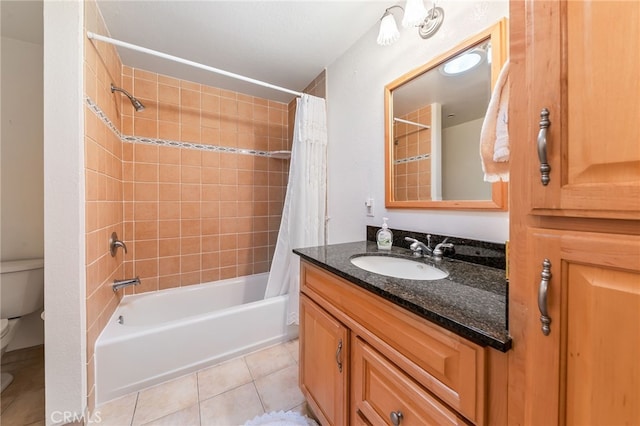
pixel 188 62
pixel 424 126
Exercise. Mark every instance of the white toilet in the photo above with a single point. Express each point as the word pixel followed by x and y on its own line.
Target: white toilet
pixel 21 293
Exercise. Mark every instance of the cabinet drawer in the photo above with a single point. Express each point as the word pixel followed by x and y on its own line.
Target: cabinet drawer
pixel 381 389
pixel 452 368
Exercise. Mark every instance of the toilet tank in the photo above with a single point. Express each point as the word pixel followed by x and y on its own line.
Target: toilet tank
pixel 21 287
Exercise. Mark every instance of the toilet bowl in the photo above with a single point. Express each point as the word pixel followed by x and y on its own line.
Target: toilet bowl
pixel 21 293
pixel 7 332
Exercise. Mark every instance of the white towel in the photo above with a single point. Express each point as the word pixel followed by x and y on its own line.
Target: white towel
pixel 494 136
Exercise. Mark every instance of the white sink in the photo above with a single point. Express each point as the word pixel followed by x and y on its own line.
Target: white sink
pixel 399 267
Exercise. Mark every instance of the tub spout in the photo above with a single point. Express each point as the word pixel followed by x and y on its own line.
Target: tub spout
pixel 118 284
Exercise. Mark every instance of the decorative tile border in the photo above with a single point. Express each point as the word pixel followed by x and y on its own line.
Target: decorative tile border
pixel 166 142
pixel 412 159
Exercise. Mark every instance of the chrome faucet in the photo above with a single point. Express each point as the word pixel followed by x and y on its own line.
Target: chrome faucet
pixel 419 248
pixel 118 284
pixel 438 252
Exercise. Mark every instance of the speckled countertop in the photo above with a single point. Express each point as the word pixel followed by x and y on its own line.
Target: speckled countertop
pixel 471 301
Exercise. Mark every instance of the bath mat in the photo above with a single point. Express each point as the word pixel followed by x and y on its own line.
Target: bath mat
pixel 280 418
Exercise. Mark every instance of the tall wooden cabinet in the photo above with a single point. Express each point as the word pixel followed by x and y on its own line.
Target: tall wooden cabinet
pixel 575 212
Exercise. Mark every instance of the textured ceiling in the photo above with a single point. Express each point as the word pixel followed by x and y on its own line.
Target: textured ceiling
pixel 286 43
pixel 282 42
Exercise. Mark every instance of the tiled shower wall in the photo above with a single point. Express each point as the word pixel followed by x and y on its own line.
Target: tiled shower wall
pixel 193 214
pixel 103 184
pixel 187 214
pixel 412 171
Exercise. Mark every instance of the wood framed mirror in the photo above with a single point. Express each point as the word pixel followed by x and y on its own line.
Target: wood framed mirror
pixel 432 129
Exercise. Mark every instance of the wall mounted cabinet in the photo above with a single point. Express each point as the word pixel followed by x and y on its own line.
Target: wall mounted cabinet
pixel 575 244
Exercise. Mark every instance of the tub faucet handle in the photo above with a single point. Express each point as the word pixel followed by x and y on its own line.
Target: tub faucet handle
pixel 114 243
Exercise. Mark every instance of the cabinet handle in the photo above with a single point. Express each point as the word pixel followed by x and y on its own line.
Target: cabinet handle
pixel 542 146
pixel 338 357
pixel 396 417
pixel 545 319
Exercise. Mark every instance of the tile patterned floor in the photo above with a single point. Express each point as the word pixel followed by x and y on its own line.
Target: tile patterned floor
pixel 225 394
pixel 22 402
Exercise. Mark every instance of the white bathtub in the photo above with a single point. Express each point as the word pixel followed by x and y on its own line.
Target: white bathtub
pixel 173 332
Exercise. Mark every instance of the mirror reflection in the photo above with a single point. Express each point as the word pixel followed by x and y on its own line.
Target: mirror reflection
pixel 434 119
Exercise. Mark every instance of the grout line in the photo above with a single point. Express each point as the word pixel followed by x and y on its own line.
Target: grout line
pixel 135 408
pixel 171 143
pixel 255 388
pixel 197 373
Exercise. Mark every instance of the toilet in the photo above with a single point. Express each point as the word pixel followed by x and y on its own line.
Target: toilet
pixel 21 293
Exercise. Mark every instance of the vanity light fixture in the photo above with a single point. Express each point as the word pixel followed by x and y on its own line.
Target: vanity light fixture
pixel 415 15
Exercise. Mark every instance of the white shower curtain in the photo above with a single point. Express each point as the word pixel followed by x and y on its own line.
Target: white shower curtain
pixel 303 215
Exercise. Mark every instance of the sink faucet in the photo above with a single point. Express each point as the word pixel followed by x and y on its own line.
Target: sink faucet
pixel 118 284
pixel 419 248
pixel 438 252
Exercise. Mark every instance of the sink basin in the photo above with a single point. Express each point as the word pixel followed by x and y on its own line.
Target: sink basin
pixel 399 267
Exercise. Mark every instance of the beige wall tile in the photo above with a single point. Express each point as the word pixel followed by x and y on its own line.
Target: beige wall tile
pixel 180 206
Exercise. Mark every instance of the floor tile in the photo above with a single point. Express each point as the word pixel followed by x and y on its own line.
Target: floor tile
pixel 166 398
pixel 26 408
pixel 294 349
pixel 189 416
pixel 227 394
pixel 231 408
pixel 118 412
pixel 269 360
pixel 223 377
pixel 279 390
pixel 27 367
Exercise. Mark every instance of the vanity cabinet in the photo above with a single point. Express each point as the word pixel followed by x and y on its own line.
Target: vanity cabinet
pixel 324 349
pixel 395 367
pixel 574 305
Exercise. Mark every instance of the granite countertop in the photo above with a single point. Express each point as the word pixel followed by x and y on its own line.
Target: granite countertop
pixel 471 301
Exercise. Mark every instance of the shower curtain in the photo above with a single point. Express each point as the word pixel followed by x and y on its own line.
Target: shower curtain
pixel 303 215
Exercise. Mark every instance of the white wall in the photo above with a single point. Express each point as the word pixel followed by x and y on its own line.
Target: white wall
pixel 356 128
pixel 22 197
pixel 462 176
pixel 21 153
pixel 65 298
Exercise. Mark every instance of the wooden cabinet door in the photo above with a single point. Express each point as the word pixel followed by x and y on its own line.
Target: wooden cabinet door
pixel 324 363
pixel 582 64
pixel 383 394
pixel 586 370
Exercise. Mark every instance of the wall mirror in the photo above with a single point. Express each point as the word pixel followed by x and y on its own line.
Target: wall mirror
pixel 433 117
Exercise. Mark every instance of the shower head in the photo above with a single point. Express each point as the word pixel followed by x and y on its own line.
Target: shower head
pixel 136 103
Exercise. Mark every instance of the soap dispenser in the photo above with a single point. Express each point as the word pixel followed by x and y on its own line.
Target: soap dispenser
pixel 384 237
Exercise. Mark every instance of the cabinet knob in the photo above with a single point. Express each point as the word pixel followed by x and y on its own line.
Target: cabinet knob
pixel 542 146
pixel 545 319
pixel 396 417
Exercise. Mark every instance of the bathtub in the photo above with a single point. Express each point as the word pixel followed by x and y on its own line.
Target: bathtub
pixel 158 336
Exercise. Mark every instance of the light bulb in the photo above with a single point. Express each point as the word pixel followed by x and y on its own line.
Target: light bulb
pixel 414 13
pixel 388 30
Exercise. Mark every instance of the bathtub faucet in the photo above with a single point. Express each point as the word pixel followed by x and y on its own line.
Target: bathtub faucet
pixel 118 284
